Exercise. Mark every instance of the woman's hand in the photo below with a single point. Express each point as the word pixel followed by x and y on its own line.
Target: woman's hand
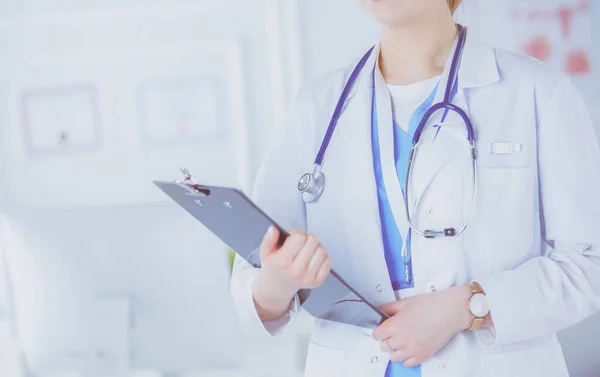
pixel 421 325
pixel 301 263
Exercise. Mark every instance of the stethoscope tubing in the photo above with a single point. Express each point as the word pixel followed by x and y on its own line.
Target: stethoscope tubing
pixel 312 185
pixel 340 105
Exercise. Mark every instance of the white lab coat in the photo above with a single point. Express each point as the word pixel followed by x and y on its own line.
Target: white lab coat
pixel 532 243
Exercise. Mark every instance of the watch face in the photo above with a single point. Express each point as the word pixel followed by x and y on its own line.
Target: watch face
pixel 479 305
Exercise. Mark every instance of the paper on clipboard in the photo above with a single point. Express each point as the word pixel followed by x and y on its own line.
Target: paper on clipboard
pixel 239 223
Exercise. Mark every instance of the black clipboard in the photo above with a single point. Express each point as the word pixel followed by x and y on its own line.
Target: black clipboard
pixel 230 215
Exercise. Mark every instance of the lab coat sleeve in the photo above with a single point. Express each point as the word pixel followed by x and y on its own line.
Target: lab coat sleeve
pixel 275 192
pixel 562 287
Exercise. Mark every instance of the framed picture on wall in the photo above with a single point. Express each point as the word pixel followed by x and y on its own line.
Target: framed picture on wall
pixel 182 110
pixel 61 120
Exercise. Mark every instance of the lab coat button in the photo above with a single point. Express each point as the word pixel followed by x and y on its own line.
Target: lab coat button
pixel 374 359
pixel 379 288
pixel 429 211
pixel 442 367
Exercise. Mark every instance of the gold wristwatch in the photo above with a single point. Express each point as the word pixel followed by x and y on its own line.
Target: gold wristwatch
pixel 478 306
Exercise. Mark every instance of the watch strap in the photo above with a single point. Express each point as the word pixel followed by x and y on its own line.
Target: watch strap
pixel 477 322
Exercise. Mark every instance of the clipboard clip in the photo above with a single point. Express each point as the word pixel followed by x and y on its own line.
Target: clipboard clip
pixel 188 179
pixel 191 186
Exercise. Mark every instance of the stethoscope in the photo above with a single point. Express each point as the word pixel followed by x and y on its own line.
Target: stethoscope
pixel 311 185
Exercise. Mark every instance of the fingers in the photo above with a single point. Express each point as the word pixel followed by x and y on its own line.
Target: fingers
pixel 400 352
pixel 324 271
pixel 405 359
pixel 399 356
pixel 308 250
pixel 269 243
pixel 384 331
pixel 296 232
pixel 402 355
pixel 390 309
pixel 391 345
pixel 412 362
pixel 301 261
pixel 381 333
pixel 293 245
pixel 288 251
pixel 284 256
pixel 315 263
pixel 387 328
pixel 385 346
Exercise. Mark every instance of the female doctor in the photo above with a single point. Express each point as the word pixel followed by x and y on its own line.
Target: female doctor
pixel 510 153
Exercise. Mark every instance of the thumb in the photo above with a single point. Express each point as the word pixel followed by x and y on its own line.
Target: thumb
pixel 269 243
pixel 390 309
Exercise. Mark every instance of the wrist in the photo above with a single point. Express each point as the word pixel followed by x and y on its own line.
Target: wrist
pixel 271 310
pixel 273 288
pixel 272 301
pixel 465 317
pixel 478 307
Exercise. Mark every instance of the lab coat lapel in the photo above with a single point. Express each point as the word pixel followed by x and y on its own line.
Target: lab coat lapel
pixel 366 268
pixel 440 142
pixel 386 143
pixel 437 149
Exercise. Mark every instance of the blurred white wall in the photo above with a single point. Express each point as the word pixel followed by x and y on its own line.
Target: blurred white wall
pixel 127 68
pixel 139 72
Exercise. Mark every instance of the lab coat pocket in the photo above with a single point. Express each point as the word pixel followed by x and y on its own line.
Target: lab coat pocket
pixel 547 361
pixel 501 231
pixel 324 361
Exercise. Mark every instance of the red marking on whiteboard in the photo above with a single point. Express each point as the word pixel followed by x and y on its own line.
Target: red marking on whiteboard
pixel 563 13
pixel 539 48
pixel 578 62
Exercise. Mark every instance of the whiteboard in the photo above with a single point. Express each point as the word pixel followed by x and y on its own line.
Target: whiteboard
pixel 180 111
pixel 558 32
pixel 175 84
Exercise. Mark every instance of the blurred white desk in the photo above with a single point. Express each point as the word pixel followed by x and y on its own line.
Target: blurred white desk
pixel 264 356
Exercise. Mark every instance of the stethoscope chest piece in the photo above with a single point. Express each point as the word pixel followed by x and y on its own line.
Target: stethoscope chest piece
pixel 311 185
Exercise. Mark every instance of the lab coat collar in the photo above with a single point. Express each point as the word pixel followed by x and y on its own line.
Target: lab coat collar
pixel 478 66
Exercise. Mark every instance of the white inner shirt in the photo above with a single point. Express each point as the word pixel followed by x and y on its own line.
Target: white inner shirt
pixel 407 98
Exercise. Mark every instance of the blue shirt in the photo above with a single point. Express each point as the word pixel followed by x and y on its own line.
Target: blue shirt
pixel 392 239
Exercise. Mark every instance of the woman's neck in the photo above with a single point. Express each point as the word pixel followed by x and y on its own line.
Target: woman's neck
pixel 418 51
